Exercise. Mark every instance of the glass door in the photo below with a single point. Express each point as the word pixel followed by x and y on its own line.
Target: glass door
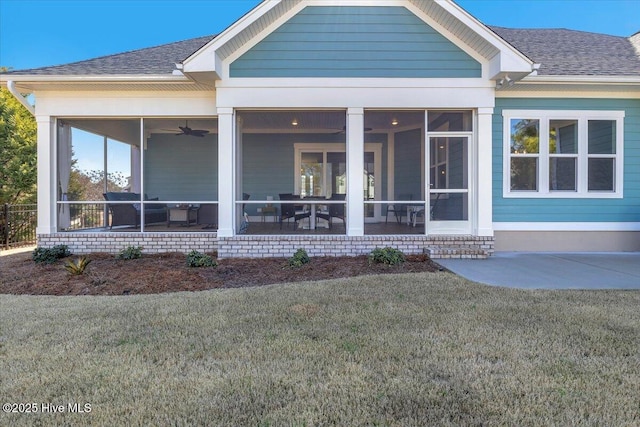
pixel 311 174
pixel 369 183
pixel 336 173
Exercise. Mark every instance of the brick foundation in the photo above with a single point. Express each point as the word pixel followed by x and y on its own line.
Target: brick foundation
pixel 252 246
pixel 285 246
pixel 84 243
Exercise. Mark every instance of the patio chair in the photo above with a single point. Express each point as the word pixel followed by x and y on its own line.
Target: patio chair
pixel 245 196
pixel 291 210
pixel 398 209
pixel 334 211
pixel 129 214
pixel 432 210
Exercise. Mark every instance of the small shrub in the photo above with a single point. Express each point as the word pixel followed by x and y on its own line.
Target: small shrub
pixel 299 259
pixel 130 252
pixel 78 266
pixel 198 259
pixel 50 255
pixel 388 256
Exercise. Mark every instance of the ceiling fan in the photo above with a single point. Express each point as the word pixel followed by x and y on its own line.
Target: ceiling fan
pixel 344 130
pixel 186 130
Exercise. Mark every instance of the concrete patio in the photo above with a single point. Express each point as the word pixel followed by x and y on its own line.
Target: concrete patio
pixel 620 270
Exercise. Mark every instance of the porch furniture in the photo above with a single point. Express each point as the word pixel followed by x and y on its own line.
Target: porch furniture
pixel 271 211
pixel 432 209
pixel 398 209
pixel 129 213
pixel 313 208
pixel 245 196
pixel 208 215
pixel 335 210
pixel 186 215
pixel 291 210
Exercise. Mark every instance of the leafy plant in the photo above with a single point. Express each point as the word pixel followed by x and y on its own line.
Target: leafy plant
pixel 130 252
pixel 77 266
pixel 299 259
pixel 198 259
pixel 388 256
pixel 50 255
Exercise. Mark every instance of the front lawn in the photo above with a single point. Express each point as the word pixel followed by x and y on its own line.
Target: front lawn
pixel 411 349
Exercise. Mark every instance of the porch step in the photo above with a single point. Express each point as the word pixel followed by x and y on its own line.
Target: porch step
pixel 456 252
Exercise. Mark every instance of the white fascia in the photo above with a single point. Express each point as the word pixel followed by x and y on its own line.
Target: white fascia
pixel 584 80
pixel 24 79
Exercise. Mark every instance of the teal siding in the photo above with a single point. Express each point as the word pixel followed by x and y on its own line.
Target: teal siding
pixel 351 41
pixel 626 209
pixel 181 168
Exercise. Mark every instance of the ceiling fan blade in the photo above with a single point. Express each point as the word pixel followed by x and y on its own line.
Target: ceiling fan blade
pixel 344 129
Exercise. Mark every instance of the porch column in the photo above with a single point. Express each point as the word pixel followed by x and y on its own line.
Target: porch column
pixel 355 172
pixel 485 172
pixel 226 150
pixel 46 175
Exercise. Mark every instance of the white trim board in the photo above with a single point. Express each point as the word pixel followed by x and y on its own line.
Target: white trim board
pixel 566 226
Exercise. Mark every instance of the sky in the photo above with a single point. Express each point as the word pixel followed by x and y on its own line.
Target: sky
pixel 38 33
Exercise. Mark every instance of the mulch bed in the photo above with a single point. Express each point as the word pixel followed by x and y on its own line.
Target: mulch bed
pixel 161 273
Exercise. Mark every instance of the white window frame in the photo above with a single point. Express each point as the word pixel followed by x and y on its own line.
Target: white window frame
pixel 582 117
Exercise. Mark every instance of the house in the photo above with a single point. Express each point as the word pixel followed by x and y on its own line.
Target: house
pixel 339 126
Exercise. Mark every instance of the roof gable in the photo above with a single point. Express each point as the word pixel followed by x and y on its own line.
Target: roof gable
pixel 444 16
pixel 355 41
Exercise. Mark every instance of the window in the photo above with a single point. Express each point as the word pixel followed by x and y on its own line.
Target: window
pixel 563 153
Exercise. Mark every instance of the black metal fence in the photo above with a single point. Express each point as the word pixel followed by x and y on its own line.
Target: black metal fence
pixel 18 225
pixel 86 216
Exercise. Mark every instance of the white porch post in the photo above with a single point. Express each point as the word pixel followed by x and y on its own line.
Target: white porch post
pixel 226 178
pixel 485 172
pixel 355 172
pixel 46 175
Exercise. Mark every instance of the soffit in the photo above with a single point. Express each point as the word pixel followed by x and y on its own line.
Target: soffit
pixel 454 25
pixel 255 28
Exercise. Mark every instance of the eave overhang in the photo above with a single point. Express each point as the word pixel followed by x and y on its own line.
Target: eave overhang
pixel 29 83
pixel 623 86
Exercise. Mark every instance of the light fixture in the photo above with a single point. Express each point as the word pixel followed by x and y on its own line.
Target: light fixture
pixel 294 122
pixel 499 84
pixel 394 122
pixel 509 81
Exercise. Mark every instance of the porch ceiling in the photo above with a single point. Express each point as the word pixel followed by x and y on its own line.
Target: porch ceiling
pixel 326 121
pixel 253 122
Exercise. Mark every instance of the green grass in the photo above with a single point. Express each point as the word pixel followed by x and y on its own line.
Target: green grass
pixel 424 349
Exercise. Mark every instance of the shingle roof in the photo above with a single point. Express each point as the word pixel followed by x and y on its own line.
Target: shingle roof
pixel 560 51
pixel 568 52
pixel 153 60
